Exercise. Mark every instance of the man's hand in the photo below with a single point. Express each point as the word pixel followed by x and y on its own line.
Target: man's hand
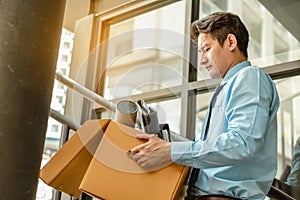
pixel 152 155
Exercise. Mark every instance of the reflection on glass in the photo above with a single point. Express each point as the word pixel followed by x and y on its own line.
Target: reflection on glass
pixel 169 113
pixel 155 69
pixel 288 116
pixel 145 53
pixel 202 101
pixel 293 178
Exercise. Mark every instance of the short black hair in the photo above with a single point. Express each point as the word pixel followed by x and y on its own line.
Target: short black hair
pixel 219 25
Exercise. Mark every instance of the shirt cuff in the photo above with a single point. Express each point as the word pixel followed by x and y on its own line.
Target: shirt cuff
pixel 181 153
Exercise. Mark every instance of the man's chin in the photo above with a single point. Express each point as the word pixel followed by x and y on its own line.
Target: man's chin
pixel 214 75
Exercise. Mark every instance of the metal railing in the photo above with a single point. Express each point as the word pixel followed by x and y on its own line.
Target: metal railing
pixel 64 120
pixel 85 92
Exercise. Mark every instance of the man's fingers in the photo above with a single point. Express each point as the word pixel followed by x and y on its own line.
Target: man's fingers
pixel 130 154
pixel 143 136
pixel 149 138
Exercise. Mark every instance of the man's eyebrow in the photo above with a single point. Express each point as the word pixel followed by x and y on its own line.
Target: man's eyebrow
pixel 202 47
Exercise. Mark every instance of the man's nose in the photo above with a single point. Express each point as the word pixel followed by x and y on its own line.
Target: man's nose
pixel 203 59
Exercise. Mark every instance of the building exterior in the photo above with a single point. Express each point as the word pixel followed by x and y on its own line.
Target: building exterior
pixel 59 91
pixel 54 129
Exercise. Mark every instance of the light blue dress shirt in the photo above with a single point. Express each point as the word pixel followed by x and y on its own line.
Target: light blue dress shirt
pixel 238 153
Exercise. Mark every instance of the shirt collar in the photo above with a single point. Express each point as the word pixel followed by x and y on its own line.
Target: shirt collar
pixel 231 72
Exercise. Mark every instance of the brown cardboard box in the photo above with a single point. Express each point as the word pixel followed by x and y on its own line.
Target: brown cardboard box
pixel 113 176
pixel 67 167
pixel 107 172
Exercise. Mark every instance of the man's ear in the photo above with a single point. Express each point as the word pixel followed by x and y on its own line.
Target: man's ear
pixel 231 42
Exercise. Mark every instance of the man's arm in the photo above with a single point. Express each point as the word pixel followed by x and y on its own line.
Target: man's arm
pixel 176 137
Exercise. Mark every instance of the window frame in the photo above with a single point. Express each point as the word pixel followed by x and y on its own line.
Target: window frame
pixel 186 91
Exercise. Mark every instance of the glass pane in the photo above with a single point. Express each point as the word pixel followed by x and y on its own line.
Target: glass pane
pixel 288 118
pixel 145 53
pixel 270 42
pixel 202 105
pixel 169 113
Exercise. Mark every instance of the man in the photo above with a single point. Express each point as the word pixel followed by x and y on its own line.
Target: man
pixel 237 153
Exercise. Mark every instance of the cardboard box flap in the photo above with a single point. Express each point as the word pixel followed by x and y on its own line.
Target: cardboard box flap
pixel 113 176
pixel 65 170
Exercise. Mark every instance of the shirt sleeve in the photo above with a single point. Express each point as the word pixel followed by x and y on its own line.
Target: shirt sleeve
pixel 248 100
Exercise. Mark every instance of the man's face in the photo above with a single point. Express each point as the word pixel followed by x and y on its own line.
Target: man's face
pixel 213 57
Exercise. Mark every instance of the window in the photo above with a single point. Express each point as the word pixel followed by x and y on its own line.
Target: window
pixel 59 99
pixel 63 71
pixel 54 128
pixel 60 86
pixel 145 58
pixel 64 58
pixel 66 45
pixel 145 54
pixel 288 116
